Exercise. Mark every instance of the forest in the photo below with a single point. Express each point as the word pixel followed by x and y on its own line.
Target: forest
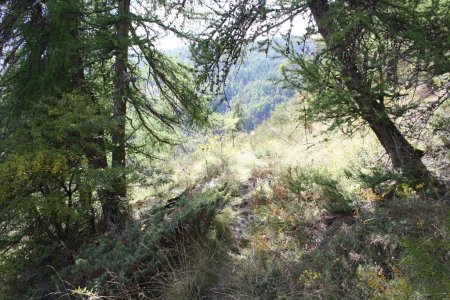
pixel 224 149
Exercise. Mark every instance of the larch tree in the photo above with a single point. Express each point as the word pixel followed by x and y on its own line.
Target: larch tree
pixel 372 54
pixel 46 116
pixel 81 82
pixel 111 209
pixel 153 92
pixel 367 67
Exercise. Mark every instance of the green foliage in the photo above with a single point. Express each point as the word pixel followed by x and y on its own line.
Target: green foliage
pixel 384 182
pixel 46 189
pixel 396 249
pixel 424 260
pixel 57 118
pixel 131 262
pixel 47 208
pixel 329 102
pixel 319 185
pixel 252 88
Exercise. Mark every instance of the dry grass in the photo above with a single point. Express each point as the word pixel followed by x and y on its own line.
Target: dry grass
pixel 296 248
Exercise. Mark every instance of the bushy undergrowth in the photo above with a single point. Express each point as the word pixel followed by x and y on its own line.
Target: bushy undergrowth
pixel 314 233
pixel 393 245
pixel 312 184
pixel 24 272
pixel 139 260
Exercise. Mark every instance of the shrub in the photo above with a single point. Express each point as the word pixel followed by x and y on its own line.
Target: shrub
pixel 320 186
pixel 134 261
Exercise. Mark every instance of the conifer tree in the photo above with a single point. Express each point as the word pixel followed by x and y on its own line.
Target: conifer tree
pixel 373 52
pixel 72 102
pixel 47 115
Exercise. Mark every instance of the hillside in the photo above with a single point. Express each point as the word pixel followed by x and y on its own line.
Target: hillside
pixel 306 218
pixel 320 170
pixel 253 84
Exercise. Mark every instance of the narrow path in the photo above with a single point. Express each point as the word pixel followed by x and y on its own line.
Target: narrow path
pixel 241 217
pixel 239 222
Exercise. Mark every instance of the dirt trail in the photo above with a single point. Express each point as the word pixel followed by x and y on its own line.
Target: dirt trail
pixel 241 217
pixel 239 222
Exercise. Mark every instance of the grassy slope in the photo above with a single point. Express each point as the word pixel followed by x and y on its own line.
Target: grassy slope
pixel 281 214
pixel 288 240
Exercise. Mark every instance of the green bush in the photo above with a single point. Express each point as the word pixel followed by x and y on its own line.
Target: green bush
pixel 319 185
pixel 385 182
pixel 132 262
pixel 385 250
pixel 425 262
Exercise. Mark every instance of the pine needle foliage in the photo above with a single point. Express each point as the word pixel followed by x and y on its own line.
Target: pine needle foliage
pixel 58 120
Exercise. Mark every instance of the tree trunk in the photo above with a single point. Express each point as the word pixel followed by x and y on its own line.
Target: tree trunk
pixel 94 144
pixel 112 209
pixel 402 154
pixel 96 155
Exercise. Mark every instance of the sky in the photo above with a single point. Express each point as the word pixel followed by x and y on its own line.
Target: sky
pixel 299 28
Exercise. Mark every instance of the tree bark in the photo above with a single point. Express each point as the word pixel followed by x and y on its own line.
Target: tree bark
pixel 94 144
pixel 112 209
pixel 402 154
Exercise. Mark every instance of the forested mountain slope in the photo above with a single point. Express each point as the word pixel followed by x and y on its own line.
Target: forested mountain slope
pixel 253 84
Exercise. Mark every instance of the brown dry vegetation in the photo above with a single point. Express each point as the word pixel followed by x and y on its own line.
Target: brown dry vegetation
pixel 313 216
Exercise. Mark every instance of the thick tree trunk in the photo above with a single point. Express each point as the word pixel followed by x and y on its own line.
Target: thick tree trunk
pixel 402 154
pixel 112 209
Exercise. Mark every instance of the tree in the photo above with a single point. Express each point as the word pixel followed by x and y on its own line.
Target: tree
pixel 373 51
pixel 156 100
pixel 370 58
pixel 73 103
pixel 111 209
pixel 233 122
pixel 47 116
